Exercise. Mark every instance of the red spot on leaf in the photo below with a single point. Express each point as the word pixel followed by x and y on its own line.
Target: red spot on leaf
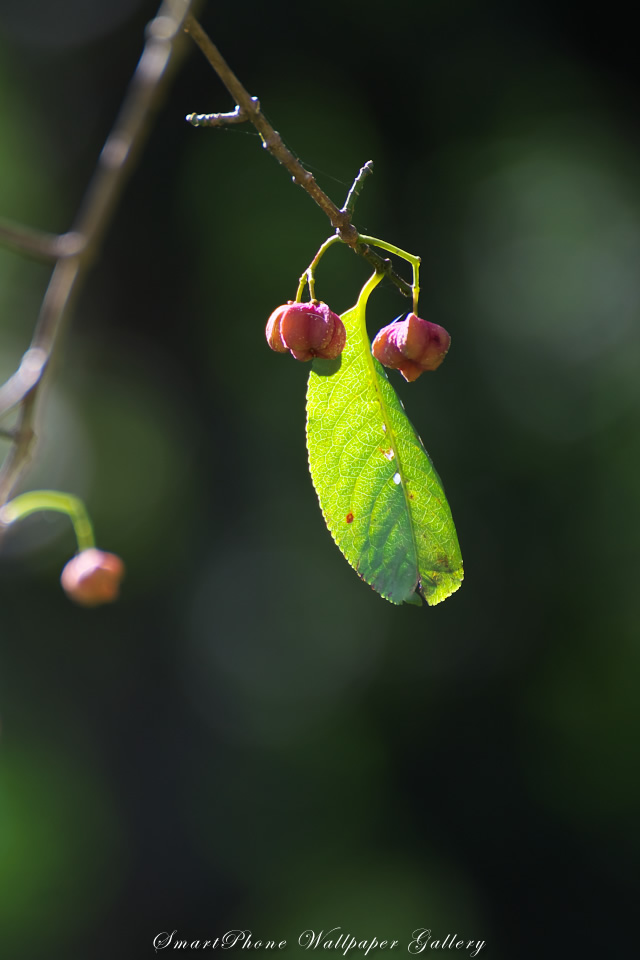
pixel 349 518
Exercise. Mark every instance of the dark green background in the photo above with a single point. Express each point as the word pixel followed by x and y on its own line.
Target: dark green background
pixel 252 738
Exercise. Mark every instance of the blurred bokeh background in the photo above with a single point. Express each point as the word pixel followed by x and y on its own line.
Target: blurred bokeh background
pixel 252 738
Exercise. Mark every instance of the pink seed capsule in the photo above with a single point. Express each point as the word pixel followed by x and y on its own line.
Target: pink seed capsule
pixel 274 338
pixel 93 577
pixel 411 346
pixel 307 330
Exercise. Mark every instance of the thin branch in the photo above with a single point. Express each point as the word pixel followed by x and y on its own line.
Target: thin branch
pixel 356 187
pixel 272 141
pixel 24 379
pixel 38 243
pixel 219 119
pixel 113 167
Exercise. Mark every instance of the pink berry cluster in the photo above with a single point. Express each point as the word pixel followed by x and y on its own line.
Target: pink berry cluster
pixel 411 346
pixel 306 330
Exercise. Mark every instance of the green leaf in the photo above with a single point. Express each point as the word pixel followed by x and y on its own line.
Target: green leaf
pixel 380 495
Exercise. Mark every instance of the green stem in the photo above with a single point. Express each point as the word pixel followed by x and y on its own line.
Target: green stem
pixel 36 500
pixel 365 293
pixel 309 276
pixel 414 261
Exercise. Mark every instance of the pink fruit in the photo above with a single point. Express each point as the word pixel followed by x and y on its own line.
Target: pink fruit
pixel 93 577
pixel 273 329
pixel 307 330
pixel 411 346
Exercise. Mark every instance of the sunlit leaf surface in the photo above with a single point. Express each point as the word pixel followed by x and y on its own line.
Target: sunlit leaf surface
pixel 380 495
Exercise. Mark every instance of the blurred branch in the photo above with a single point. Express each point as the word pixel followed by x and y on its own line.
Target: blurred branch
pixel 38 243
pixel 73 252
pixel 249 108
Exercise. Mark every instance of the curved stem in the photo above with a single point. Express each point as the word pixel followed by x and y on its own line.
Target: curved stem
pixel 301 285
pixel 309 276
pixel 413 260
pixel 366 292
pixel 36 500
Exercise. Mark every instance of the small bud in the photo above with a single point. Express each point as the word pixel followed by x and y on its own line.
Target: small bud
pixel 411 346
pixel 307 330
pixel 93 577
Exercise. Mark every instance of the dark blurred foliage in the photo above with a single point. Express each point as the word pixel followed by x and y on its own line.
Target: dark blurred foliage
pixel 251 737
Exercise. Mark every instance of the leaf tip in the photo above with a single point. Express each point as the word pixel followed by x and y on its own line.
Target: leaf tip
pixel 442 585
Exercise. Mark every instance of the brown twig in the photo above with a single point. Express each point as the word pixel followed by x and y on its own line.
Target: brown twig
pixel 73 252
pixel 356 187
pixel 249 108
pixel 38 243
pixel 219 119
